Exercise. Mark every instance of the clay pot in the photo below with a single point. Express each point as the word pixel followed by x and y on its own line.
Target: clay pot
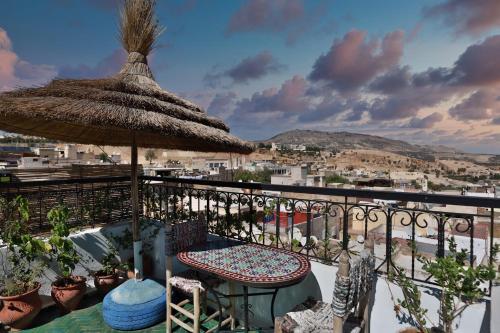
pixel 416 330
pixel 18 311
pixel 409 330
pixel 105 283
pixel 67 293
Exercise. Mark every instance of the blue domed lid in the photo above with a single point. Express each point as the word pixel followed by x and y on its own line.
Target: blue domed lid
pixel 137 292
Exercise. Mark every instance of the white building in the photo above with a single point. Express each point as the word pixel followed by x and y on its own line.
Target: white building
pixel 294 175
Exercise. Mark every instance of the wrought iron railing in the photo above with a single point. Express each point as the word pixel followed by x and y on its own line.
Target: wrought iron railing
pixel 317 222
pixel 320 222
pixel 91 201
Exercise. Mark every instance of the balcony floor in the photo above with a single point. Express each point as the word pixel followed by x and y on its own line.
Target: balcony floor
pixel 89 320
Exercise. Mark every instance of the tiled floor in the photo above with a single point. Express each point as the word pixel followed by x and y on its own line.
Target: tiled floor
pixel 87 320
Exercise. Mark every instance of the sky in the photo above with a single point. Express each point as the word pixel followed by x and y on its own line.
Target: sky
pixel 427 72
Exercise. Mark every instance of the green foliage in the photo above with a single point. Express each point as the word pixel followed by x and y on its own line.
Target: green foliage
pixel 109 261
pixel 261 176
pixel 336 178
pixel 125 240
pixel 460 285
pixel 62 248
pixel 411 301
pixel 24 252
pixel 105 158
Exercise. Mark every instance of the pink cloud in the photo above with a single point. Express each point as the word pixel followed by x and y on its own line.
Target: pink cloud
pixel 467 16
pixel 482 104
pixel 268 15
pixel 15 72
pixel 354 61
pixel 250 68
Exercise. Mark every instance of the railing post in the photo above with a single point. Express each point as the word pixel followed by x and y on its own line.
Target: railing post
pixel 345 226
pixel 251 215
pixel 277 221
pixel 388 241
pixel 441 237
pixel 308 228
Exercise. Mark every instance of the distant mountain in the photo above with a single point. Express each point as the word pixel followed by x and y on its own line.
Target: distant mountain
pixel 345 140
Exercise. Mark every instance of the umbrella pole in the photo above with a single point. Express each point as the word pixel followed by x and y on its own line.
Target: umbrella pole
pixel 136 230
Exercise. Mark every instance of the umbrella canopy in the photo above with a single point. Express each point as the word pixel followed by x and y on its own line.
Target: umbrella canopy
pixel 105 111
pixel 129 109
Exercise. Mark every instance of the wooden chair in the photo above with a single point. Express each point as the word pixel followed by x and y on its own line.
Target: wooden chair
pixel 178 237
pixel 349 311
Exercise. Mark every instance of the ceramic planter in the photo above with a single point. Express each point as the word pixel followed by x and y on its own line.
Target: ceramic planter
pixel 68 295
pixel 105 283
pixel 18 311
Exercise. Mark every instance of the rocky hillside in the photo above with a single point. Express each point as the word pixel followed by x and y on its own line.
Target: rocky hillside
pixel 345 140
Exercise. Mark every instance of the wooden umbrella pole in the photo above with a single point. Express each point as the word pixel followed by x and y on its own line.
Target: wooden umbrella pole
pixel 136 230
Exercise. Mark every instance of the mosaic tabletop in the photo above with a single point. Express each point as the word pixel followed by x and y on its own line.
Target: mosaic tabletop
pixel 250 264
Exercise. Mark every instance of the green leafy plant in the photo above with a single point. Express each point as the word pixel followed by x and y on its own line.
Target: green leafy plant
pixel 109 261
pixel 24 253
pixel 460 285
pixel 62 248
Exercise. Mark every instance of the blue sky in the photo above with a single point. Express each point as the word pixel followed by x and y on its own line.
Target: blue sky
pixel 422 71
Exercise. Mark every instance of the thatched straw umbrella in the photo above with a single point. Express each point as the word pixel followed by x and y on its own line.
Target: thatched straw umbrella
pixel 128 109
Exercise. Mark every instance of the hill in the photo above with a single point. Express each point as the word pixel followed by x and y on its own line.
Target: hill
pixel 339 141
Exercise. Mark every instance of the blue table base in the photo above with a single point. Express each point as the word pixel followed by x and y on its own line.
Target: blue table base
pixel 135 305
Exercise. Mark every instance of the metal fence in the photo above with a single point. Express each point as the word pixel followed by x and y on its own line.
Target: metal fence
pixel 91 201
pixel 317 222
pixel 321 222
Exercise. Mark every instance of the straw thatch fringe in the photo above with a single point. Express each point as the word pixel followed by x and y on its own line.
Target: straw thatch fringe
pixel 88 94
pixel 139 28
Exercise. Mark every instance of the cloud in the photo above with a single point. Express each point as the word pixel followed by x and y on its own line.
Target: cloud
pixel 222 105
pixel 467 16
pixel 482 104
pixel 108 66
pixel 289 98
pixel 354 61
pixel 426 122
pixel 278 16
pixel 392 81
pixel 15 72
pixel 250 68
pixel 266 15
pixel 479 64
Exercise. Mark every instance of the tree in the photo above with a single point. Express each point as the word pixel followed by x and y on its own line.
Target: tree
pixel 336 178
pixel 261 176
pixel 105 157
pixel 461 285
pixel 150 156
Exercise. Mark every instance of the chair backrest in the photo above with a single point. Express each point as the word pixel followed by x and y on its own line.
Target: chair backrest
pixel 353 282
pixel 182 235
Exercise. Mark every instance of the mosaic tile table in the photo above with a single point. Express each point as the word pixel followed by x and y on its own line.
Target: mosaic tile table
pixel 251 265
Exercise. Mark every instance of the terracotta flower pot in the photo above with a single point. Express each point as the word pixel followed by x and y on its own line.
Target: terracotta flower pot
pixel 67 293
pixel 18 311
pixel 105 283
pixel 409 330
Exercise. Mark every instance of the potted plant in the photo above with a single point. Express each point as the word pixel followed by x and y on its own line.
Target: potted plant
pixel 68 289
pixel 460 285
pixel 20 301
pixel 125 242
pixel 106 278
